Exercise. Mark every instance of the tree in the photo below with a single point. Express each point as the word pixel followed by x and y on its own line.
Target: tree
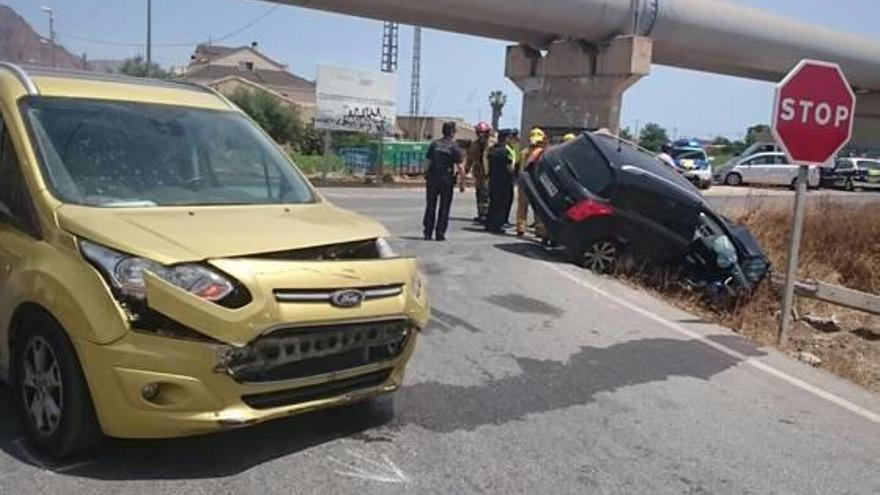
pixel 137 67
pixel 281 122
pixel 497 100
pixel 653 137
pixel 625 134
pixel 721 141
pixel 755 133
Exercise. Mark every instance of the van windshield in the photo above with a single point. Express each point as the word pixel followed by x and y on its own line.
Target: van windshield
pixel 127 154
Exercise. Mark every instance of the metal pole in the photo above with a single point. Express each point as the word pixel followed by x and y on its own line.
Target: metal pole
pixel 52 34
pixel 791 272
pixel 149 36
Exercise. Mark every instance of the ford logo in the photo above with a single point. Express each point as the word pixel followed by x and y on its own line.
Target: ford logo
pixel 347 298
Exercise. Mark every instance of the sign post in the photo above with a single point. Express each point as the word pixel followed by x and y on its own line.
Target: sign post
pixel 813 116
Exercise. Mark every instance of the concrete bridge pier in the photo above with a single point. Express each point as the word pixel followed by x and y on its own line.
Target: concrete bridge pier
pixel 866 130
pixel 575 85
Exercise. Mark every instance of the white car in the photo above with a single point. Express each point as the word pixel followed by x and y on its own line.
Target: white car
pixel 770 169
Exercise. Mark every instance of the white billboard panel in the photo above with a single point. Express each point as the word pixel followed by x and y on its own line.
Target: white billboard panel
pixel 356 100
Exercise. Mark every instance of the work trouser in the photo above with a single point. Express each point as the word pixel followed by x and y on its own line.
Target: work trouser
pixel 500 201
pixel 481 187
pixel 522 213
pixel 434 220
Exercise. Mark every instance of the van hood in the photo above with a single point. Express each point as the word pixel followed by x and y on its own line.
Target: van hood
pixel 184 234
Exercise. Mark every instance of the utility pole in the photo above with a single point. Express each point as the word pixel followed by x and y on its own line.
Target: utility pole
pixel 415 86
pixel 149 36
pixel 51 13
pixel 390 40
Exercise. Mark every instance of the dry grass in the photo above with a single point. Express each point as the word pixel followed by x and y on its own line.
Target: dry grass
pixel 841 245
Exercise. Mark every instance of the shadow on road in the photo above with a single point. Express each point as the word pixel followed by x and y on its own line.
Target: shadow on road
pixel 545 386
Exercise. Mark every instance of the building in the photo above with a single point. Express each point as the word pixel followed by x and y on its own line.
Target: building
pixel 227 69
pixel 431 127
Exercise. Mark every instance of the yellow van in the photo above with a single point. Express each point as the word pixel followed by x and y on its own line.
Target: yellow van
pixel 165 270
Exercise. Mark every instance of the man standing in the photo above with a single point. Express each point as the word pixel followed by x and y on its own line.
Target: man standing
pixel 502 167
pixel 537 143
pixel 478 167
pixel 444 161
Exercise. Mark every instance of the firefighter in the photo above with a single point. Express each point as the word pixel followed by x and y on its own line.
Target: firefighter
pixel 478 167
pixel 502 169
pixel 444 162
pixel 537 143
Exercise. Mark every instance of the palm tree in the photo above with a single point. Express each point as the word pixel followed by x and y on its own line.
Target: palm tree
pixel 497 100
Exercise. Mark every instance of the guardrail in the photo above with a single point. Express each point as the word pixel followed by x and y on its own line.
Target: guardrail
pixel 833 294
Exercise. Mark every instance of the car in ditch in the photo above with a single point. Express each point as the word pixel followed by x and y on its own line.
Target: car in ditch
pixel 167 271
pixel 602 197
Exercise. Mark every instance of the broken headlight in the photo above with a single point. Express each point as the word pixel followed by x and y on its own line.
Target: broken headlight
pixel 126 274
pixel 725 251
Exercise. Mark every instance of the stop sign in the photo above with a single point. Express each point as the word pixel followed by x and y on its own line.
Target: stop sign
pixel 813 113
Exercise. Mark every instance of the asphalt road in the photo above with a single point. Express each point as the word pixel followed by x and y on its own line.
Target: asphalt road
pixel 534 377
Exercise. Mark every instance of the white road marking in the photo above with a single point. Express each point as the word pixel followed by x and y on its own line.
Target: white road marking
pixel 828 396
pixel 361 466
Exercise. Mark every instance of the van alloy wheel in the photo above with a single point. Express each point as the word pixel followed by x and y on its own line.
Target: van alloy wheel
pixel 600 257
pixel 41 386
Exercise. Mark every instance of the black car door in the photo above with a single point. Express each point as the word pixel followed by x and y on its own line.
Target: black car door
pixel 660 207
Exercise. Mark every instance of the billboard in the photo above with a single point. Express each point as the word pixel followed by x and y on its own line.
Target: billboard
pixel 356 100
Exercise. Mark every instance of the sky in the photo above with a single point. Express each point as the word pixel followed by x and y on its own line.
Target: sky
pixel 458 71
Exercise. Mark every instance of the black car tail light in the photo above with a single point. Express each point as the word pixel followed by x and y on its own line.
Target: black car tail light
pixel 588 208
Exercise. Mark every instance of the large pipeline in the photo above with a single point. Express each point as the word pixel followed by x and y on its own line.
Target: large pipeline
pixel 706 35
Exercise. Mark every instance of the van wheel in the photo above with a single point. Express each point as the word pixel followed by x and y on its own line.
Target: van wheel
pixel 733 179
pixel 601 256
pixel 51 391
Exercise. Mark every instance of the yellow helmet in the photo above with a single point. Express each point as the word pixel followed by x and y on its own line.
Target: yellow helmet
pixel 537 136
pixel 568 137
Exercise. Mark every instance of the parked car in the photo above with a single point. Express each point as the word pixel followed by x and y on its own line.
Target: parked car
pixel 694 164
pixel 601 197
pixel 769 169
pixel 167 271
pixel 851 174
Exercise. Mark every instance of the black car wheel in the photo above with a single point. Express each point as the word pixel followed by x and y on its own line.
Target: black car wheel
pixel 733 179
pixel 601 256
pixel 52 394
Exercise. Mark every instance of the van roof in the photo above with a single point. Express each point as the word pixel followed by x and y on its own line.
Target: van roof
pixel 95 85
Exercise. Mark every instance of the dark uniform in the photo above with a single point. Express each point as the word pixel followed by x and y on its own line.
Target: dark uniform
pixel 443 157
pixel 502 163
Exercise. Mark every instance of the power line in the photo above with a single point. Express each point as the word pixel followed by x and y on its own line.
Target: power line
pixel 171 45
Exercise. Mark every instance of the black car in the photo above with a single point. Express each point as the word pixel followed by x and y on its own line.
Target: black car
pixel 851 174
pixel 600 196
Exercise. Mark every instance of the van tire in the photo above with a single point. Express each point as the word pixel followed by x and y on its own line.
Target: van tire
pixel 733 179
pixel 74 429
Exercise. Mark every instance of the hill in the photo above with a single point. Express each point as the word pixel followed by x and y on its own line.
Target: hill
pixel 19 43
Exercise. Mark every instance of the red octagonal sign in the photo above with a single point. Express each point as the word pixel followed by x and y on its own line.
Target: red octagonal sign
pixel 814 111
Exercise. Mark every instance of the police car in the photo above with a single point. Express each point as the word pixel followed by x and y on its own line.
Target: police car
pixel 693 163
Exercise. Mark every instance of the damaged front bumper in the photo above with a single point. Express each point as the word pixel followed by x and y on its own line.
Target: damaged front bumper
pixel 290 350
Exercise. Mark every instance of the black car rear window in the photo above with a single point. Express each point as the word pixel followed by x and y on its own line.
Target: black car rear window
pixel 622 153
pixel 585 162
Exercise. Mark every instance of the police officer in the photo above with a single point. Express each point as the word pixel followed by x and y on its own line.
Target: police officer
pixel 478 167
pixel 444 162
pixel 502 169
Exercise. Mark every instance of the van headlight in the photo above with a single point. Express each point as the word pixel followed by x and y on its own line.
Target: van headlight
pixel 726 252
pixel 126 273
pixel 418 285
pixel 383 247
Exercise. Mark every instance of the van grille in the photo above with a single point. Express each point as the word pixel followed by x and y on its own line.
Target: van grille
pixel 316 392
pixel 292 353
